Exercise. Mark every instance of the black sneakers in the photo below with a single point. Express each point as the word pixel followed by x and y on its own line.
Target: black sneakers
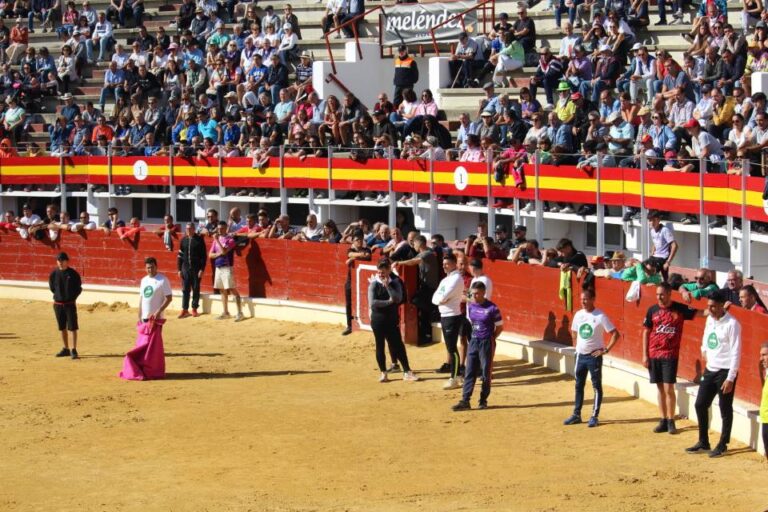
pixel 462 405
pixel 346 331
pixel 701 448
pixel 445 368
pixel 671 428
pixel 482 405
pixel 661 427
pixel 74 354
pixel 719 450
pixel 64 353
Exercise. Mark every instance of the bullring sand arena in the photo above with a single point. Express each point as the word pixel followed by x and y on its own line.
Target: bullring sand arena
pixel 274 416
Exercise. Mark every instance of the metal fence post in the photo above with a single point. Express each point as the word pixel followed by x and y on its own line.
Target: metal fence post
pixel 392 217
pixel 283 191
pixel 489 189
pixel 172 183
pixel 746 224
pixel 539 222
pixel 703 219
pixel 645 241
pixel 600 238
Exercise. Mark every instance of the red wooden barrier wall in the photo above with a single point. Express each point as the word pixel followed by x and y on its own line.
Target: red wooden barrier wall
pixel 315 273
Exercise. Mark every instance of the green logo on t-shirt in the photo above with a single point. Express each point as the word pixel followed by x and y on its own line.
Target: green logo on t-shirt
pixel 712 341
pixel 148 291
pixel 586 331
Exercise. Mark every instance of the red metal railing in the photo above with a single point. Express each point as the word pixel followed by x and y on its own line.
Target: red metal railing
pixel 484 6
pixel 353 22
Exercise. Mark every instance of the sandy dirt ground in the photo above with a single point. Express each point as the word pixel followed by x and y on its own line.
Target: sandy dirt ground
pixel 271 416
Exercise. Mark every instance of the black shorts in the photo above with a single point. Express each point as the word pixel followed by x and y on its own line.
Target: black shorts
pixel 662 370
pixel 66 316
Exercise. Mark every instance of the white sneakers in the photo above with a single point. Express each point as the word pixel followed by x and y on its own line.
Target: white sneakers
pixel 452 383
pixel 567 209
pixel 407 377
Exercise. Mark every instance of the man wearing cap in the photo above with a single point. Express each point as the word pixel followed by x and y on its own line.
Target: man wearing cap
pixel 382 126
pixel 548 73
pixel 605 75
pixel 406 74
pixel 704 146
pixel 621 135
pixel 488 128
pixel 66 286
pixel 524 28
pixel 565 108
pixel 502 239
pixel 466 59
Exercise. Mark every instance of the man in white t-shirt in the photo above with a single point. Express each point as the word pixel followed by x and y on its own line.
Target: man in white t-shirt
pixel 664 246
pixel 27 220
pixel 146 361
pixel 154 292
pixel 590 325
pixel 478 275
pixel 447 298
pixel 721 350
pixel 312 231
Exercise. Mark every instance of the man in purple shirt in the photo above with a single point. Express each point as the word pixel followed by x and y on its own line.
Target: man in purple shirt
pixel 223 256
pixel 487 324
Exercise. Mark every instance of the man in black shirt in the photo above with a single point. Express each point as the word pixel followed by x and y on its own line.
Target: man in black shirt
pixel 519 231
pixel 191 263
pixel 357 251
pixel 524 29
pixel 568 258
pixel 429 280
pixel 502 240
pixel 66 286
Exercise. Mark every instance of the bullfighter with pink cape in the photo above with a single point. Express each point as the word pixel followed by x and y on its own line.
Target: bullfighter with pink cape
pixel 146 360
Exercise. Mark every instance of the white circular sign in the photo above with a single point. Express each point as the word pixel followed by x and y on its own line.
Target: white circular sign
pixel 460 178
pixel 140 170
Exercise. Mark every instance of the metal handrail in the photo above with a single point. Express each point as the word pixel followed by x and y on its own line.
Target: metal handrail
pixel 481 5
pixel 352 22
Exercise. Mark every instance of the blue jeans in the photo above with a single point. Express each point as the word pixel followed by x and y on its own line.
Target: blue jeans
pixel 479 357
pixel 588 363
pixel 560 8
pixel 104 44
pixel 109 92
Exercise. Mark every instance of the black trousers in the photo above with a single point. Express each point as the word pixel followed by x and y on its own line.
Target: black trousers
pixel 386 330
pixel 765 438
pixel 348 301
pixel 452 326
pixel 709 388
pixel 190 283
pixel 423 301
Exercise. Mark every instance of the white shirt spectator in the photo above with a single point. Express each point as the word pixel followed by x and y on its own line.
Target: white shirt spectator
pixel 450 290
pixel 662 242
pixel 706 141
pixel 590 329
pixel 721 344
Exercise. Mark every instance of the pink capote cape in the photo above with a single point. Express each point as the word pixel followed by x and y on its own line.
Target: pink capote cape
pixel 146 361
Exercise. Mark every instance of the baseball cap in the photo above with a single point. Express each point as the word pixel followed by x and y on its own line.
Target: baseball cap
pixel 62 256
pixel 576 96
pixel 501 228
pixel 690 123
pixel 669 154
pixel 597 259
pixel 520 227
pixel 646 138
